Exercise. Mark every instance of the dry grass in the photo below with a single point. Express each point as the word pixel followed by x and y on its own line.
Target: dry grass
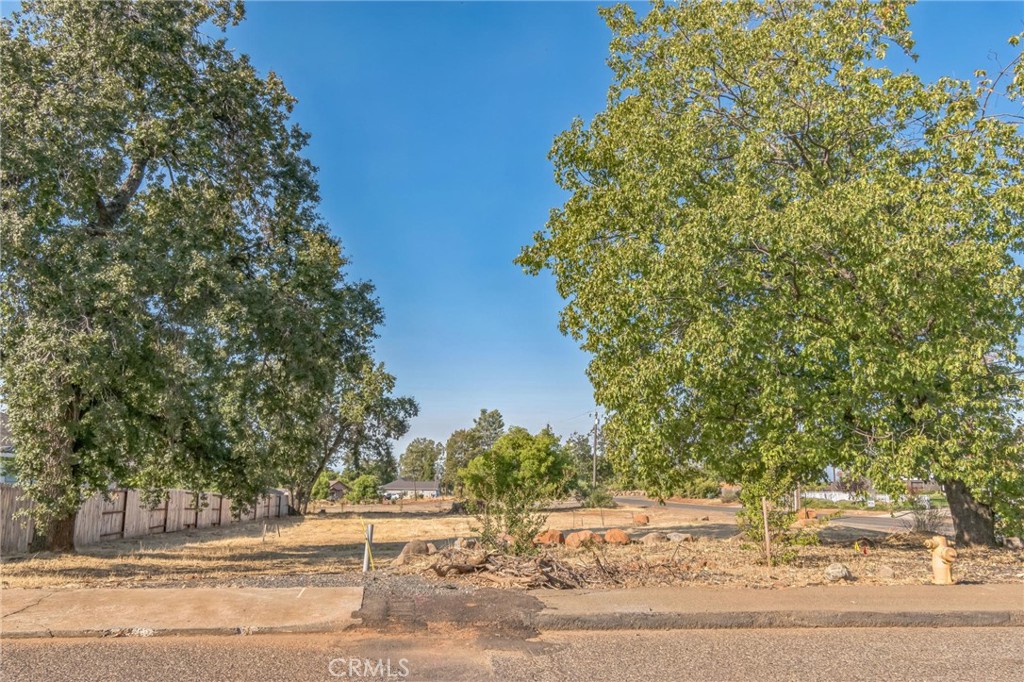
pixel 730 562
pixel 332 543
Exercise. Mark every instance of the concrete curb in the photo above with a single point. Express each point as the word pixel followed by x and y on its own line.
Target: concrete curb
pixel 776 619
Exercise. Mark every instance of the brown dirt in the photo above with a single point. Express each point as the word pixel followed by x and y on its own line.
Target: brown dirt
pixel 327 549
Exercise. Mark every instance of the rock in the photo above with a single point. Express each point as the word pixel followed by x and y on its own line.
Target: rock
pixel 885 572
pixel 680 537
pixel 614 536
pixel 581 538
pixel 836 572
pixel 416 547
pixel 654 538
pixel 466 543
pixel 549 538
pixel 431 548
pixel 1013 542
pixel 641 519
pixel 705 518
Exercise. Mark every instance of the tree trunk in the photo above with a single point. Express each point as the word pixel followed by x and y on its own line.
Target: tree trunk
pixel 973 521
pixel 59 537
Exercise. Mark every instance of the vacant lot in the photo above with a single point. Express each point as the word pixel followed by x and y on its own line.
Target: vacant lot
pixel 328 548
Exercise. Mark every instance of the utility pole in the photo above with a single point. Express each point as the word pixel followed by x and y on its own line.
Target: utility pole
pixel 593 480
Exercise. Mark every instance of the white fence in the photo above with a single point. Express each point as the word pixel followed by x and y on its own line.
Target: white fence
pixel 122 514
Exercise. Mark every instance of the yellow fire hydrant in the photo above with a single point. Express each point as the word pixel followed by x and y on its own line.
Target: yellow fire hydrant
pixel 942 560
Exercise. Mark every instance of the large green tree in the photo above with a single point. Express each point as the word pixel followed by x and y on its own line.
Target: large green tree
pixel 461 447
pixel 174 311
pixel 489 426
pixel 509 483
pixel 357 425
pixel 520 460
pixel 579 448
pixel 783 255
pixel 420 460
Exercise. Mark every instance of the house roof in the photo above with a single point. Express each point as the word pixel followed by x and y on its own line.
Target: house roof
pixel 338 484
pixel 402 484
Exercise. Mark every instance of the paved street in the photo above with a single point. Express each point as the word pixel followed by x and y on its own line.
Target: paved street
pixel 963 654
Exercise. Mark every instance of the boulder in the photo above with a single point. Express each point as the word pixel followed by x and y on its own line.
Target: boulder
pixel 1013 542
pixel 641 519
pixel 680 537
pixel 466 543
pixel 581 538
pixel 654 538
pixel 615 536
pixel 549 538
pixel 836 572
pixel 885 572
pixel 431 548
pixel 416 547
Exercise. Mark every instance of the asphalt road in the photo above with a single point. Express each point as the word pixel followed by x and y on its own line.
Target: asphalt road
pixel 644 502
pixel 883 522
pixel 961 654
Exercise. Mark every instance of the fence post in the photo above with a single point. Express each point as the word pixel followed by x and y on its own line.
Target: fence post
pixel 367 550
pixel 767 533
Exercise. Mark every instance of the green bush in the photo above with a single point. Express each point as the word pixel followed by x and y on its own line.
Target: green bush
pixel 508 484
pixel 364 489
pixel 593 497
pixel 701 488
pixel 784 538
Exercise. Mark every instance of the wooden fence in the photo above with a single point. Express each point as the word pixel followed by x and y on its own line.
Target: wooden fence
pixel 122 514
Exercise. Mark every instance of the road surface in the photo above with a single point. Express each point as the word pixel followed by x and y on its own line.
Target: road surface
pixel 961 654
pixel 882 522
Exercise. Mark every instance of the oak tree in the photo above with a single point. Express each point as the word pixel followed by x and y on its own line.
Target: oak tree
pixel 782 254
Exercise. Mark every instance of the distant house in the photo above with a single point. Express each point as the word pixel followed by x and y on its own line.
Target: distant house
pixel 337 490
pixel 6 450
pixel 403 488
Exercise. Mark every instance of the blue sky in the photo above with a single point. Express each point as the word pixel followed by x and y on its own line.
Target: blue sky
pixel 431 124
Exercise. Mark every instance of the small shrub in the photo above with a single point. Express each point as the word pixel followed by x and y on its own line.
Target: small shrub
pixel 509 483
pixel 924 521
pixel 597 497
pixel 701 488
pixel 364 489
pixel 509 523
pixel 785 539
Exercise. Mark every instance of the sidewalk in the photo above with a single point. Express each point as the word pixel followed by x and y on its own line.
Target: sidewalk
pixel 232 611
pixel 190 611
pixel 835 606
